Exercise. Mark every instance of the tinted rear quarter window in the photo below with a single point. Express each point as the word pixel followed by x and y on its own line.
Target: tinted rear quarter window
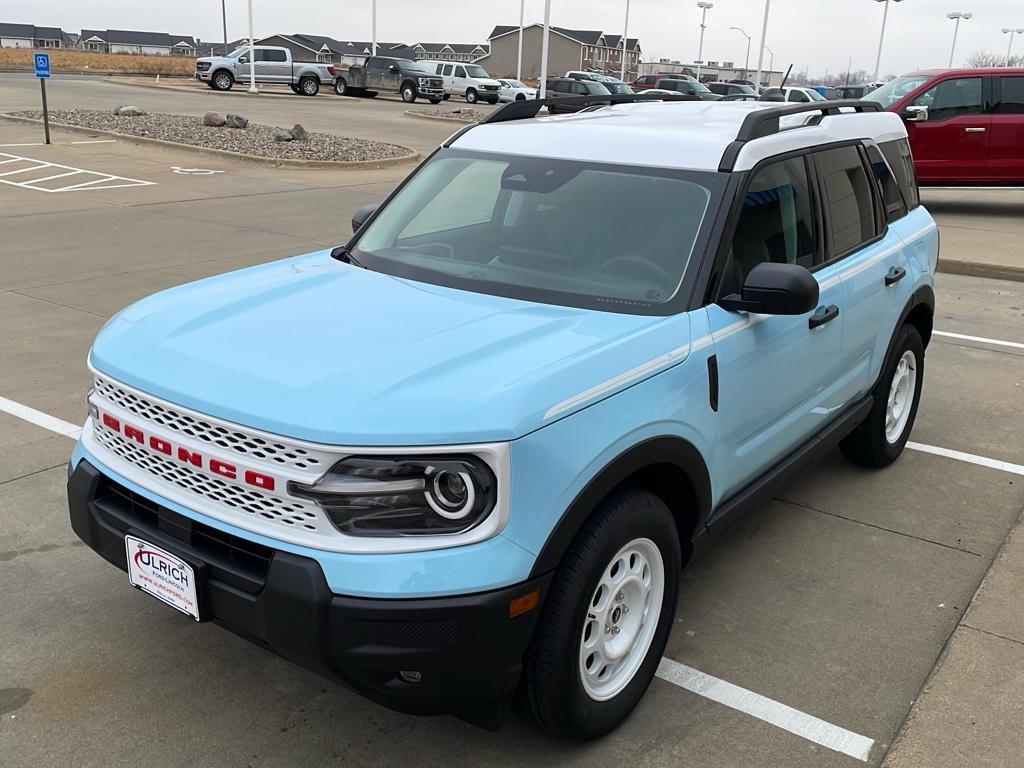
pixel 849 207
pixel 893 202
pixel 897 154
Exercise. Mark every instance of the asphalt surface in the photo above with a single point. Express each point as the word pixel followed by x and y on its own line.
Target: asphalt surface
pixel 845 598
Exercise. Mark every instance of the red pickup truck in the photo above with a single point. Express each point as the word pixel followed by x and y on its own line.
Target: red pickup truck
pixel 966 126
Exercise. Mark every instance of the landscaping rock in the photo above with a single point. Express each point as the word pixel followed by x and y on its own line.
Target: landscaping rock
pixel 215 119
pixel 282 136
pixel 236 121
pixel 129 110
pixel 298 132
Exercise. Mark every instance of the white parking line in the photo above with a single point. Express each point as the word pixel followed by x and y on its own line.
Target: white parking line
pixel 100 180
pixel 982 339
pixel 970 458
pixel 40 419
pixel 770 711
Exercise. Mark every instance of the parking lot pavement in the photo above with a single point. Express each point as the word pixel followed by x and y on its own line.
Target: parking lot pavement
pixel 834 601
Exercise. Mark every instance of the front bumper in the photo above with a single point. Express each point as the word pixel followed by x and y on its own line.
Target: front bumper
pixel 466 648
pixel 430 93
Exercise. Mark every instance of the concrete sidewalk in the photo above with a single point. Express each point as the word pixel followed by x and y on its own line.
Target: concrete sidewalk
pixel 971 710
pixel 982 231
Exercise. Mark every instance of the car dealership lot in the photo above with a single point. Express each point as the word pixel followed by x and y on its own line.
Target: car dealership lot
pixel 836 599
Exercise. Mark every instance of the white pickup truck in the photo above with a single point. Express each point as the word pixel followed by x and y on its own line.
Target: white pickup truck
pixel 274 66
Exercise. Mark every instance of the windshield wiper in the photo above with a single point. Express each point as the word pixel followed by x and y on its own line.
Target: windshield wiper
pixel 342 253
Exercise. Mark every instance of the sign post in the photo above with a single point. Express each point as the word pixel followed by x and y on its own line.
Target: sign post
pixel 42 61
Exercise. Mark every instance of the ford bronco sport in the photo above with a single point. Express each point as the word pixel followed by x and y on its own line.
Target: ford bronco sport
pixel 470 451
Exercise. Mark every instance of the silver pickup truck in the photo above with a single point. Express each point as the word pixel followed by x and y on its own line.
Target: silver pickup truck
pixel 274 66
pixel 408 78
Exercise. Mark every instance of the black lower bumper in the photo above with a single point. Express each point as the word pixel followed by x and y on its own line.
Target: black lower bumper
pixel 467 650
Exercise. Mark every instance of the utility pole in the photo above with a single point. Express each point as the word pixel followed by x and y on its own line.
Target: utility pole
pixel 1010 46
pixel 881 37
pixel 760 49
pixel 519 61
pixel 771 65
pixel 703 5
pixel 544 50
pixel 252 55
pixel 224 21
pixel 625 32
pixel 746 61
pixel 373 28
pixel 957 15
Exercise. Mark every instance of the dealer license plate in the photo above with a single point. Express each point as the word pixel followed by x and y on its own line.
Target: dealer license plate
pixel 163 575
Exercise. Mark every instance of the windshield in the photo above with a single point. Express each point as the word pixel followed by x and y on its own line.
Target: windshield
pixel 895 90
pixel 543 229
pixel 475 70
pixel 813 95
pixel 238 52
pixel 513 84
pixel 616 87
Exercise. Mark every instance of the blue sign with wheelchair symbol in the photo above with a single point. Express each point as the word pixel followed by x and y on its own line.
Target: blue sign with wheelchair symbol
pixel 42 64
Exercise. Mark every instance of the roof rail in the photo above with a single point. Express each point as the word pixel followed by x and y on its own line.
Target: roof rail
pixel 767 122
pixel 527 108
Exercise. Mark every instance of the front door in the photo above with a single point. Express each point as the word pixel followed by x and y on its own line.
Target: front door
pixel 1006 143
pixel 459 84
pixel 952 144
pixel 780 380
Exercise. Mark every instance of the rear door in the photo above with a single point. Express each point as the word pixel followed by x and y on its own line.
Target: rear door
pixel 273 66
pixel 780 380
pixel 952 144
pixel 1006 142
pixel 449 83
pixel 459 81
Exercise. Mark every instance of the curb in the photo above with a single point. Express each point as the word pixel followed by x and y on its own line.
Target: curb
pixel 208 92
pixel 410 113
pixel 978 269
pixel 279 162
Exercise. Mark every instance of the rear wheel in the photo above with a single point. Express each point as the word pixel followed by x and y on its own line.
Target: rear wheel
pixel 309 86
pixel 341 87
pixel 471 96
pixel 520 97
pixel 606 619
pixel 222 80
pixel 879 439
pixel 408 93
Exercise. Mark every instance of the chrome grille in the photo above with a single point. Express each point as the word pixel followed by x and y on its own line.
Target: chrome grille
pixel 289 512
pixel 279 451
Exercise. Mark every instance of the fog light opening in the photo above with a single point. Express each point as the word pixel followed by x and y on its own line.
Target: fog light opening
pixel 410 676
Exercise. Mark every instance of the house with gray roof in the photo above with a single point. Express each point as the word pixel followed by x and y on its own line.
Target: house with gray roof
pixel 465 52
pixel 131 41
pixel 569 49
pixel 31 36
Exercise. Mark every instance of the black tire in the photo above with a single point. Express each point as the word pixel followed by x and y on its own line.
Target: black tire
pixel 471 95
pixel 309 86
pixel 369 94
pixel 435 101
pixel 341 87
pixel 493 101
pixel 520 97
pixel 408 92
pixel 447 96
pixel 555 695
pixel 222 80
pixel 868 444
pixel 295 89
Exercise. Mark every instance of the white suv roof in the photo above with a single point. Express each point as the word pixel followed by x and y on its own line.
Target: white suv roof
pixel 690 134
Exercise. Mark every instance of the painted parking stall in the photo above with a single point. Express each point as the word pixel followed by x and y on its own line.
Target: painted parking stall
pixel 44 176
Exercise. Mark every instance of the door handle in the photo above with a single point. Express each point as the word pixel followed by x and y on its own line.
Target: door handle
pixel 895 275
pixel 974 130
pixel 830 313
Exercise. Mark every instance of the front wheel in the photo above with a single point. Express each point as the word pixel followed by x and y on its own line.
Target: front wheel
pixel 880 438
pixel 310 86
pixel 435 101
pixel 222 81
pixel 606 619
pixel 520 97
pixel 408 93
pixel 471 96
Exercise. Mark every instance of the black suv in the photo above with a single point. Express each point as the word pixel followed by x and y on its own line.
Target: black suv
pixel 559 87
pixel 688 88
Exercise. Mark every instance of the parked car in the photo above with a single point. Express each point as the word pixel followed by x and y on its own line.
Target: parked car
pixel 850 91
pixel 613 84
pixel 646 82
pixel 741 97
pixel 578 74
pixel 742 82
pixel 470 81
pixel 408 78
pixel 616 86
pixel 560 87
pixel 274 66
pixel 728 89
pixel 577 415
pixel 513 90
pixel 799 94
pixel 688 88
pixel 966 126
pixel 657 94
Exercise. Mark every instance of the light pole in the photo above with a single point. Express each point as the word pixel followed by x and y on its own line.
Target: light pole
pixel 746 61
pixel 519 61
pixel 373 27
pixel 1011 32
pixel 703 5
pixel 252 55
pixel 544 50
pixel 956 30
pixel 625 32
pixel 760 48
pixel 881 37
pixel 224 20
pixel 771 65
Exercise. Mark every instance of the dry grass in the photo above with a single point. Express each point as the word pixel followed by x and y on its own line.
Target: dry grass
pixel 103 63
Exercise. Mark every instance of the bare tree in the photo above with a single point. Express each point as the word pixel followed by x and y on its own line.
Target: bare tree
pixel 986 59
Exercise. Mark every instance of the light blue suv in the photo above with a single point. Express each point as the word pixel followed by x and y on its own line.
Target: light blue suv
pixel 469 452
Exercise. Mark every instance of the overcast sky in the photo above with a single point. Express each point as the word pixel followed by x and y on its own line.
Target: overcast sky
pixel 812 34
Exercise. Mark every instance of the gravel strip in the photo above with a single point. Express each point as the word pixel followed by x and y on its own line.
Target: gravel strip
pixel 462 116
pixel 257 140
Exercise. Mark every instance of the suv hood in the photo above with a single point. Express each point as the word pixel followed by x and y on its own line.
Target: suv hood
pixel 319 350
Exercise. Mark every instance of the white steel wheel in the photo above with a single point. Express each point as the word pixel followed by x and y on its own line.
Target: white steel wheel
pixel 901 396
pixel 621 619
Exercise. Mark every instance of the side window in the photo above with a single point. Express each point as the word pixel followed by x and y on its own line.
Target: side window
pixel 897 153
pixel 892 199
pixel 275 56
pixel 776 223
pixel 797 96
pixel 579 89
pixel 950 98
pixel 849 209
pixel 460 71
pixel 447 69
pixel 1009 96
pixel 372 63
pixel 260 54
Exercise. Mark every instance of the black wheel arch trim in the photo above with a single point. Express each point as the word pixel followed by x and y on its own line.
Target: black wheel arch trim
pixel 923 296
pixel 672 450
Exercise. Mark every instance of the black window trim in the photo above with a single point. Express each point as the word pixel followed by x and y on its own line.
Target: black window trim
pixel 912 171
pixel 881 193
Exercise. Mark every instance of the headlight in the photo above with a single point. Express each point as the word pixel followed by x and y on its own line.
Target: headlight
pixel 416 496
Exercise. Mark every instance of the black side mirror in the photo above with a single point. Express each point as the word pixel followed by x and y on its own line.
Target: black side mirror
pixel 775 289
pixel 360 216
